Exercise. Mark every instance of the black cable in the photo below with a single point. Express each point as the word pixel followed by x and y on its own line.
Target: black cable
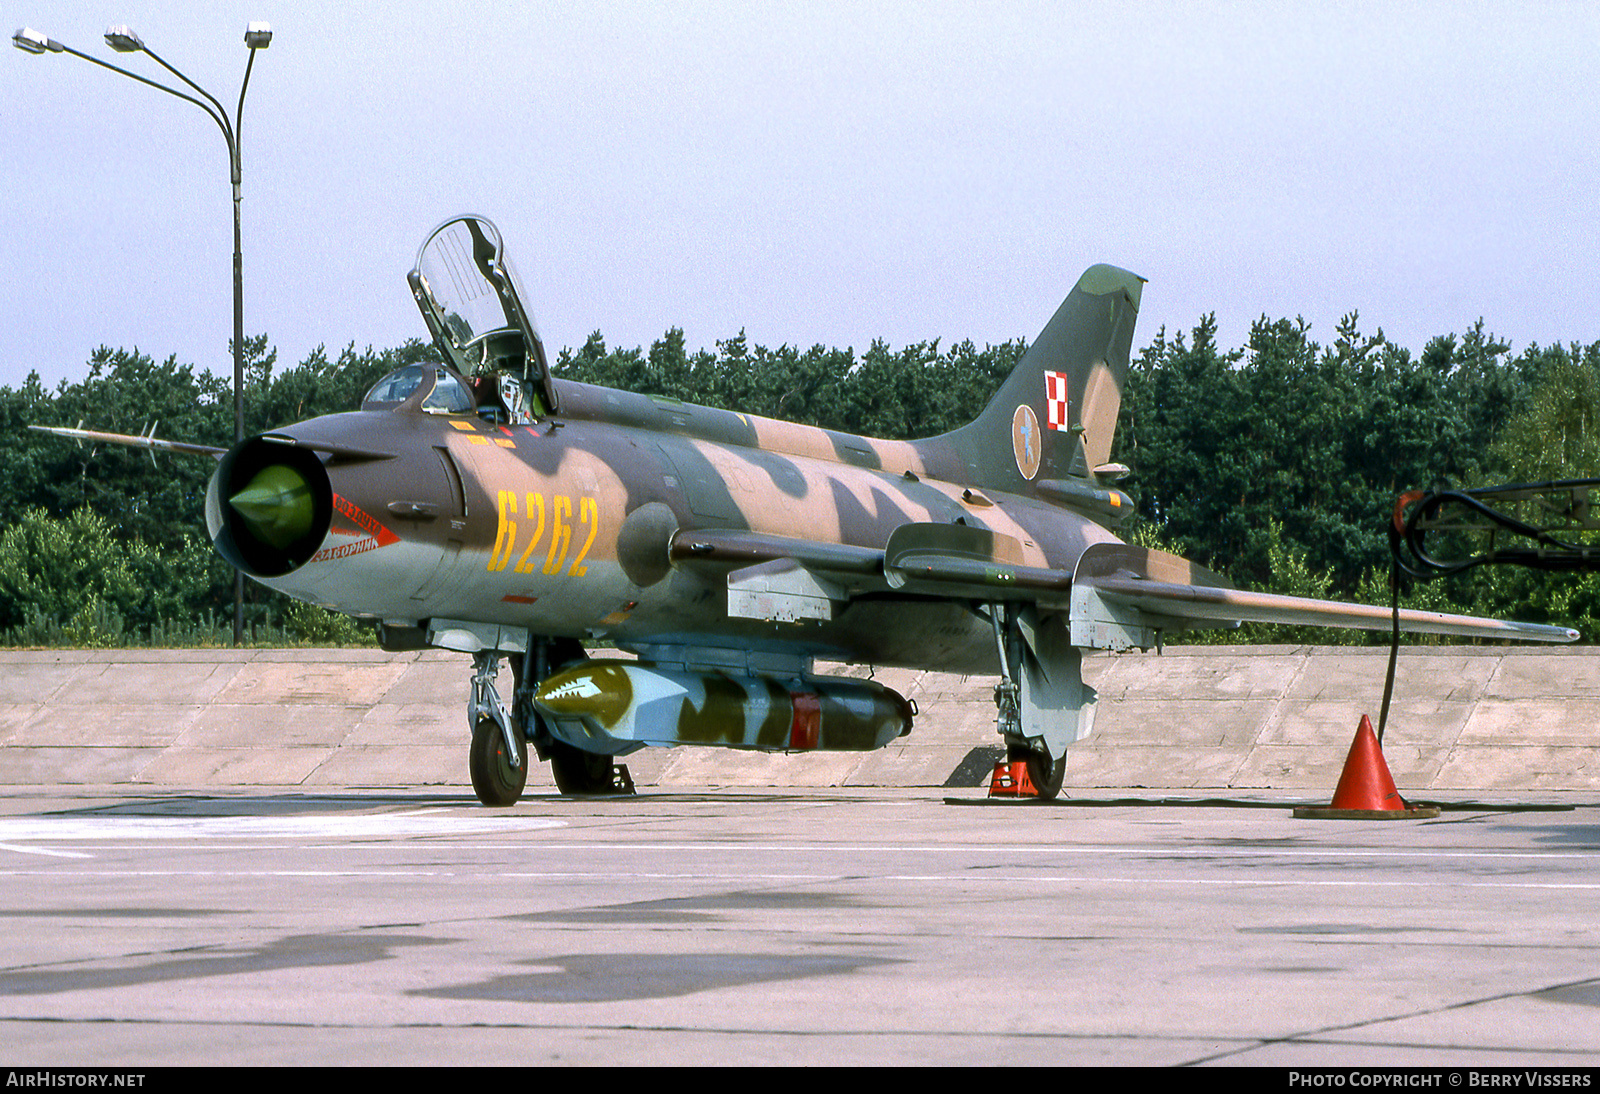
pixel 1547 552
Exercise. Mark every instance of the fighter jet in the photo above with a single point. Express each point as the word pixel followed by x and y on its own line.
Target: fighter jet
pixel 485 505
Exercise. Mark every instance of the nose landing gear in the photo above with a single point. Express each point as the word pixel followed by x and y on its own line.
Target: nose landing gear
pixel 498 757
pixel 503 737
pixel 497 778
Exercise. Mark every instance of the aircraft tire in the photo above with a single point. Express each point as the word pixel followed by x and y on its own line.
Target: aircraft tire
pixel 1047 774
pixel 496 782
pixel 578 772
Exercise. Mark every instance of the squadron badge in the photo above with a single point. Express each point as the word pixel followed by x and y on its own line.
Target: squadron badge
pixel 1025 441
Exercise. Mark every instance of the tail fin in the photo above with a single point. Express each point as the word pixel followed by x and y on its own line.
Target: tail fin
pixel 1055 415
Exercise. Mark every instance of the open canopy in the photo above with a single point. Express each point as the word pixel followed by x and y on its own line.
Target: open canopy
pixel 472 300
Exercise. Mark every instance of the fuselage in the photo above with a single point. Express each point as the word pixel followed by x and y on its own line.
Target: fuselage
pixel 574 524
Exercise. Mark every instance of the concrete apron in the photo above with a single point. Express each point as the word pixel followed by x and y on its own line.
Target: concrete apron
pixel 1242 717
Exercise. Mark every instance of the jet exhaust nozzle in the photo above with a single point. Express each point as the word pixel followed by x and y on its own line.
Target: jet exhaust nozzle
pixel 268 507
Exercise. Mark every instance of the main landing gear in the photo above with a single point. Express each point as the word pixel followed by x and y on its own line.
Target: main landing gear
pixel 578 772
pixel 504 738
pixel 1045 773
pixel 1043 705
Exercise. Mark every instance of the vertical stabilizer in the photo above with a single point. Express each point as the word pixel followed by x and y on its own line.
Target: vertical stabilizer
pixel 1056 414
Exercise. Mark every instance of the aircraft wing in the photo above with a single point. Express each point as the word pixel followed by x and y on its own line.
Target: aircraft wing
pixel 1118 596
pixel 936 559
pixel 1117 587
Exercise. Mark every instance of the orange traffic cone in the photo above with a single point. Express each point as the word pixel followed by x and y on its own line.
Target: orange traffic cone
pixel 1011 780
pixel 1366 789
pixel 1365 782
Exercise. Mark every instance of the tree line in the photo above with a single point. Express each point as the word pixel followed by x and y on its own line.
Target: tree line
pixel 1275 463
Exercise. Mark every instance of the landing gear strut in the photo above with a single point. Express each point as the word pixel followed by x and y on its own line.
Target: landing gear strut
pixel 498 759
pixel 1043 705
pixel 503 736
pixel 575 770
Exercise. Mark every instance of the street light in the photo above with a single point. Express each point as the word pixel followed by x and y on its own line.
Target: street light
pixel 124 40
pixel 31 41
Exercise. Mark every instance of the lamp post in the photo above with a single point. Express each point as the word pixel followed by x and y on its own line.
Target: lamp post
pixel 124 40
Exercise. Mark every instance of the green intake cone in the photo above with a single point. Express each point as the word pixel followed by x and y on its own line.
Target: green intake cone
pixel 276 505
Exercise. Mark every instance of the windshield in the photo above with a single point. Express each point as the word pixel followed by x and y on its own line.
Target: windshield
pixel 450 394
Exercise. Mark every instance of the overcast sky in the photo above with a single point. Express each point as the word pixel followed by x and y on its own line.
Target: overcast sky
pixel 824 172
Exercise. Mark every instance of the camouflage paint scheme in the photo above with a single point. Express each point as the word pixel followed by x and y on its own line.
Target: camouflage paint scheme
pixel 617 517
pixel 530 514
pixel 615 707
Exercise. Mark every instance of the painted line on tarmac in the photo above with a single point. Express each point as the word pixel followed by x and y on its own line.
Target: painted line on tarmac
pixel 44 851
pixel 966 880
pixel 14 830
pixel 1038 850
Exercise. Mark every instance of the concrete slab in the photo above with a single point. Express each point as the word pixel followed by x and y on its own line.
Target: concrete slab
pixel 1534 719
pixel 151 682
pixel 273 725
pixel 287 682
pixel 134 724
pixel 280 765
pixel 414 765
pixel 1517 767
pixel 1191 676
pixel 435 680
pixel 1231 725
pixel 412 725
pixel 1278 717
pixel 36 679
pixel 167 926
pixel 74 766
pixel 1566 672
pixel 1441 675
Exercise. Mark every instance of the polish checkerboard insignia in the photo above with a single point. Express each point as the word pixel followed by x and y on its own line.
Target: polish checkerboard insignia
pixel 1055 401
